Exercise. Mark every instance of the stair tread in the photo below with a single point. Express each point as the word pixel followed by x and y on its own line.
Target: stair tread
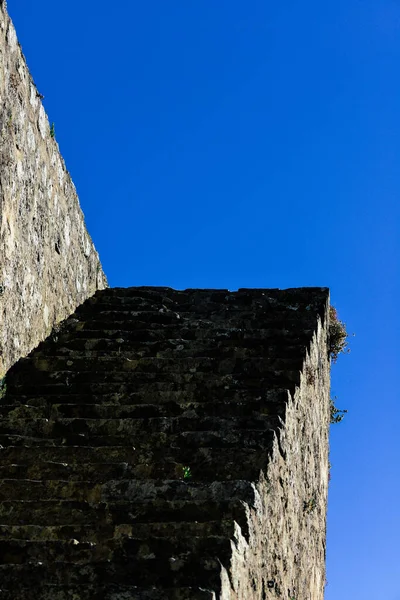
pixel 91 533
pixel 113 349
pixel 136 491
pixel 140 397
pixel 170 409
pixel 249 438
pixel 136 548
pixel 174 333
pixel 184 383
pixel 129 320
pixel 193 571
pixel 124 512
pixel 50 591
pixel 206 464
pixel 61 426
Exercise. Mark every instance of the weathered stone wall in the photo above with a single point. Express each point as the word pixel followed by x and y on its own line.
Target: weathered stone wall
pixel 137 386
pixel 286 549
pixel 48 263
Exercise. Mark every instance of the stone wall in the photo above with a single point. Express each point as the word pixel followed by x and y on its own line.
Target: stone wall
pixel 48 263
pixel 286 547
pixel 173 445
pixel 234 385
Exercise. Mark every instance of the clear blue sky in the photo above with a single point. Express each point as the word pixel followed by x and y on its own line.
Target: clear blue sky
pixel 230 144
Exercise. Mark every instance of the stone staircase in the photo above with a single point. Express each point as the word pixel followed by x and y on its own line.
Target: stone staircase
pixel 130 440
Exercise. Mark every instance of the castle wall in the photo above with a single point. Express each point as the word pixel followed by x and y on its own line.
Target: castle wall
pixel 286 549
pixel 231 386
pixel 48 263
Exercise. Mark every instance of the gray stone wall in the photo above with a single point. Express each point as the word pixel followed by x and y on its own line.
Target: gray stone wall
pixel 48 263
pixel 284 557
pixel 136 387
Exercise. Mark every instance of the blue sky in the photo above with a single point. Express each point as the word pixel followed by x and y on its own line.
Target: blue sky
pixel 252 144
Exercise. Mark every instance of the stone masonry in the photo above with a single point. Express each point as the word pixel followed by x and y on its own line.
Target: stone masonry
pixel 48 264
pixel 155 444
pixel 170 445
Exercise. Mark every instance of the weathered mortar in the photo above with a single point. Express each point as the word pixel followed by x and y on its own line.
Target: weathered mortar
pixel 48 263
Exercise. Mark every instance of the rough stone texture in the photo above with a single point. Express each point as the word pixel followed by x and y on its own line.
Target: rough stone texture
pixel 48 264
pixel 101 422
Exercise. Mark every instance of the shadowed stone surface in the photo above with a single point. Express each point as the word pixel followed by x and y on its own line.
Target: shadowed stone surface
pixel 173 445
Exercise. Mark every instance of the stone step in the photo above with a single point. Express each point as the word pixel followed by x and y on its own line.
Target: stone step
pixel 134 491
pixel 174 300
pixel 82 533
pixel 206 464
pixel 199 410
pixel 18 552
pixel 157 561
pixel 53 512
pixel 142 492
pixel 131 321
pixel 173 360
pixel 44 591
pixel 153 396
pixel 117 550
pixel 127 382
pixel 180 334
pixel 189 439
pixel 243 296
pixel 22 411
pixel 95 304
pixel 77 491
pixel 229 317
pixel 22 454
pixel 118 308
pixel 205 299
pixel 202 302
pixel 66 463
pixel 43 369
pixel 66 512
pixel 182 570
pixel 96 473
pixel 137 427
pixel 115 348
pixel 143 411
pixel 94 533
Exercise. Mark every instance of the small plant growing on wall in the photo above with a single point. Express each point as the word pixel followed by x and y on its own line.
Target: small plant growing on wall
pixel 52 131
pixel 187 473
pixel 337 335
pixel 336 415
